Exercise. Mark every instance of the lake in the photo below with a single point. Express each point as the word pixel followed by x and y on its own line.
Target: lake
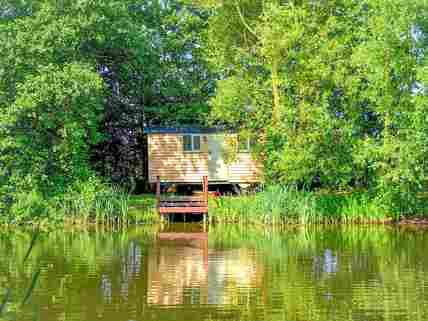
pixel 183 272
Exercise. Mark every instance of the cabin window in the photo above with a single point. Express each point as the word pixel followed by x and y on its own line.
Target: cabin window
pixel 196 143
pixel 191 143
pixel 187 143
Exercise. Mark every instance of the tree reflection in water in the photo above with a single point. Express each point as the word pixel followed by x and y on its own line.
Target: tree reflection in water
pixel 227 273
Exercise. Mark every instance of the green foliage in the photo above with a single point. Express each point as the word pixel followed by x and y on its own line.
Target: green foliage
pixel 177 80
pixel 93 201
pixel 334 92
pixel 277 205
pixel 145 54
pixel 142 209
pixel 52 124
pixel 55 99
pixel 48 133
pixel 84 201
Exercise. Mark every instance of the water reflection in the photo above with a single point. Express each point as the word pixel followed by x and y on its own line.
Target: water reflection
pixel 183 270
pixel 326 264
pixel 185 273
pixel 178 269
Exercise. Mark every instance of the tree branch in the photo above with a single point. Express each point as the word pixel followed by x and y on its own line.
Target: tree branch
pixel 246 25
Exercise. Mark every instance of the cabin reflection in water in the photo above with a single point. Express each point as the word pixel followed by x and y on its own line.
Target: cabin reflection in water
pixel 183 270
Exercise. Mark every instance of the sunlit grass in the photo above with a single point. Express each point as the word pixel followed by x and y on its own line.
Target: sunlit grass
pixel 142 209
pixel 91 203
pixel 274 205
pixel 277 205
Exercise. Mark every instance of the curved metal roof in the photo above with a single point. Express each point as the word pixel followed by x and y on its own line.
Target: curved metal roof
pixel 184 130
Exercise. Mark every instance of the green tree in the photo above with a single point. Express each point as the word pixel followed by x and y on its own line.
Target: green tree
pixel 54 96
pixel 279 61
pixel 390 63
pixel 177 80
pixel 120 64
pixel 328 88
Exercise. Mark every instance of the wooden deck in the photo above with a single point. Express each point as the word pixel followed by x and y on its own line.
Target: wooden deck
pixel 183 204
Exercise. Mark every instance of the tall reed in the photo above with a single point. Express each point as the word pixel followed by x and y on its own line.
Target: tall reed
pixel 280 205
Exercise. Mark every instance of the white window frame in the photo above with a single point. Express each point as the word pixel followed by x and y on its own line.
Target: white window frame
pixel 192 137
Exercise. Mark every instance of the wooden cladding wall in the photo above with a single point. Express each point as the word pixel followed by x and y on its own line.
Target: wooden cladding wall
pixel 244 169
pixel 168 160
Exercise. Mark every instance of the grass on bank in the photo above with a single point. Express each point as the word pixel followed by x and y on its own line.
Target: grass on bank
pixel 88 203
pixel 142 208
pixel 275 205
pixel 279 205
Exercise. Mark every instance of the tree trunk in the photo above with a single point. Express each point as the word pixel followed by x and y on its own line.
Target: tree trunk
pixel 276 108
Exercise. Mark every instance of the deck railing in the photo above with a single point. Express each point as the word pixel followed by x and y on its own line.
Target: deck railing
pixel 182 204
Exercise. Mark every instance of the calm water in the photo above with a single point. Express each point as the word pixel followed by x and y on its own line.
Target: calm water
pixel 226 273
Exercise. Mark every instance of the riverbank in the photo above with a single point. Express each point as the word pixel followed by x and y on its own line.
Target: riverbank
pixel 276 205
pixel 273 206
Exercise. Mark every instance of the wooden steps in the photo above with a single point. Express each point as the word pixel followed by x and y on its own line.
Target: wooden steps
pixel 183 204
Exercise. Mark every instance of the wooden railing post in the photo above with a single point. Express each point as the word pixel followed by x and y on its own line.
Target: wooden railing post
pixel 158 192
pixel 206 190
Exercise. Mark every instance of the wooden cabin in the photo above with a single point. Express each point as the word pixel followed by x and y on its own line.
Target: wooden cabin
pixel 186 155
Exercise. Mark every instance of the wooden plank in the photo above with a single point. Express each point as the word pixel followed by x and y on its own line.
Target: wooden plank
pixel 158 191
pixel 177 198
pixel 179 173
pixel 179 180
pixel 205 189
pixel 176 175
pixel 183 210
pixel 183 204
pixel 172 168
pixel 174 155
pixel 183 236
pixel 176 151
pixel 172 179
pixel 165 160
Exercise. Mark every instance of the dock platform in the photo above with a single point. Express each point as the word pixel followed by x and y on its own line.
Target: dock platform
pixel 183 204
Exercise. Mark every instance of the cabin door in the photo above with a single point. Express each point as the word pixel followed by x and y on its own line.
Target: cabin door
pixel 217 169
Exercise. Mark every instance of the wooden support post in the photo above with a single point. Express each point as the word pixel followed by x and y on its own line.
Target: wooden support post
pixel 158 191
pixel 205 200
pixel 205 187
pixel 205 254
